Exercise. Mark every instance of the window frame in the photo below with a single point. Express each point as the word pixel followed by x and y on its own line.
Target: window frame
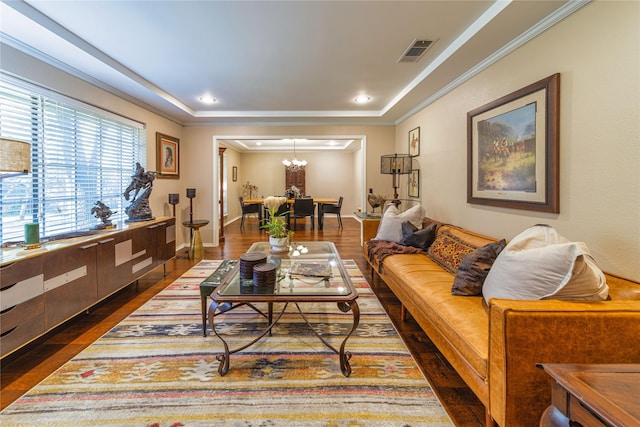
pixel 81 154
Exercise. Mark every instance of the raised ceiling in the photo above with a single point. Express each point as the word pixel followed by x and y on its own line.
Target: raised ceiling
pixel 284 62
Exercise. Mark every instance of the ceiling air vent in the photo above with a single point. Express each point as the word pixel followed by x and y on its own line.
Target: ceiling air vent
pixel 415 51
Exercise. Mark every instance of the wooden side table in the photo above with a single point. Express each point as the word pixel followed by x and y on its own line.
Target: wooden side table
pixel 593 395
pixel 196 250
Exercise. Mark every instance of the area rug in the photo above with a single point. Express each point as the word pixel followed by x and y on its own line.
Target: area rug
pixel 156 369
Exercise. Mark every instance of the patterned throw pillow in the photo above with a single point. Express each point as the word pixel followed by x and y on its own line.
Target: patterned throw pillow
pixel 447 251
pixel 474 268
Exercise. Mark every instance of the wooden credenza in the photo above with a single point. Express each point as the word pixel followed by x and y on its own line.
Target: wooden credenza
pixel 42 288
pixel 593 395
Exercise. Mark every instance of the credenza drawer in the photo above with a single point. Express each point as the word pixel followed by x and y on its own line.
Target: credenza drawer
pixel 20 270
pixel 21 291
pixel 20 281
pixel 21 323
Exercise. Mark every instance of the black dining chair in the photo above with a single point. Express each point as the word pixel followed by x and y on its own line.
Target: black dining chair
pixel 284 209
pixel 303 208
pixel 333 208
pixel 251 208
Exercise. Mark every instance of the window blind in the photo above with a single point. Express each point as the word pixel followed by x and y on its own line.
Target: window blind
pixel 78 156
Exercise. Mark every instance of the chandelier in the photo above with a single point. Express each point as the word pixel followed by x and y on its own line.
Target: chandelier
pixel 294 165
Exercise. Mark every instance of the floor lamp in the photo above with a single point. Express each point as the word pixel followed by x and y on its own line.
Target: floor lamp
pixel 395 164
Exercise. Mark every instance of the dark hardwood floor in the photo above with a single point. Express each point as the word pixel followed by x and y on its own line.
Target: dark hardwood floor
pixel 24 369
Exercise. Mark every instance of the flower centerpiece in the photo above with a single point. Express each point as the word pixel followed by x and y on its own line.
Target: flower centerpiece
pixel 276 225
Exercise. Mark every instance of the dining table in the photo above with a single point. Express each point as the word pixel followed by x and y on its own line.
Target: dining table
pixel 319 201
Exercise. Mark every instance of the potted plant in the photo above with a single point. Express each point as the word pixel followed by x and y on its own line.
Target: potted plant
pixel 276 225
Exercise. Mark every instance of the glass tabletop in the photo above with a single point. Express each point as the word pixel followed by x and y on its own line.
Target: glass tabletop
pixel 309 271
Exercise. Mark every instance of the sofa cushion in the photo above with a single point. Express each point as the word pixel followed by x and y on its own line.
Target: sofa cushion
pixel 390 228
pixel 447 250
pixel 418 238
pixel 539 263
pixel 462 321
pixel 474 268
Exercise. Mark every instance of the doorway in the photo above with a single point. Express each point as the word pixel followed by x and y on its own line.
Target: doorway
pixel 356 181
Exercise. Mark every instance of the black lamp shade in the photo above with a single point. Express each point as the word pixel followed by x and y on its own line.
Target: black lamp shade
pixel 395 164
pixel 174 198
pixel 191 193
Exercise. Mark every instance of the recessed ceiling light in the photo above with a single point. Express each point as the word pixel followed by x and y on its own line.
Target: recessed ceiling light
pixel 208 99
pixel 362 99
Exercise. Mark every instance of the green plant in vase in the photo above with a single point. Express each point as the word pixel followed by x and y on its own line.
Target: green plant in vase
pixel 276 225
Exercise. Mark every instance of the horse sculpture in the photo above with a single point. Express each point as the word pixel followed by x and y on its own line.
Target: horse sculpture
pixel 103 212
pixel 139 209
pixel 139 180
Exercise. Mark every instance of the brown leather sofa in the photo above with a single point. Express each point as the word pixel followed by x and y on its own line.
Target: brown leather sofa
pixel 495 349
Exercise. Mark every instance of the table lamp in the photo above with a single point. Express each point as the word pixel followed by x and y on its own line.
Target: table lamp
pixel 15 157
pixel 395 164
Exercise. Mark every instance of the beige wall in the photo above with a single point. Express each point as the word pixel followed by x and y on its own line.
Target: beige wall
pixel 328 174
pixel 599 135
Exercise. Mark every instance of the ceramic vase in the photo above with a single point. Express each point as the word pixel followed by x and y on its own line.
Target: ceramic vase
pixel 279 244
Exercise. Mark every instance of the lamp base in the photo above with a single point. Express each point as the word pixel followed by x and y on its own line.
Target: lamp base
pixel 32 246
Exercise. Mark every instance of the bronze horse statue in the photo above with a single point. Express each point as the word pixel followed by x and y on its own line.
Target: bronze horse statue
pixel 139 209
pixel 140 180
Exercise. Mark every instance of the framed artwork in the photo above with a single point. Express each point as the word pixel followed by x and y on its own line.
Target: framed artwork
pixel 414 142
pixel 234 173
pixel 414 183
pixel 513 149
pixel 167 156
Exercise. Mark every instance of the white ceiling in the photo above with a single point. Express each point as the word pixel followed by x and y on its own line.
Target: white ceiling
pixel 274 62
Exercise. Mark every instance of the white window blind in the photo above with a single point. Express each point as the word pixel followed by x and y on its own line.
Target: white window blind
pixel 78 156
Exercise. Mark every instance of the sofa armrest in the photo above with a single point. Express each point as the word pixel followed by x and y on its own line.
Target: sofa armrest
pixel 369 229
pixel 524 333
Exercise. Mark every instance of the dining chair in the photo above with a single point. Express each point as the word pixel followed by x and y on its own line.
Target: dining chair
pixel 251 208
pixel 333 208
pixel 285 210
pixel 303 208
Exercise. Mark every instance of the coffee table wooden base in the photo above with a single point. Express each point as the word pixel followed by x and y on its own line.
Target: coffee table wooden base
pixel 344 356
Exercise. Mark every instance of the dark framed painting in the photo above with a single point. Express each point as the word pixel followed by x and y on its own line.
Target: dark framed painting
pixel 414 183
pixel 414 142
pixel 234 173
pixel 513 149
pixel 167 156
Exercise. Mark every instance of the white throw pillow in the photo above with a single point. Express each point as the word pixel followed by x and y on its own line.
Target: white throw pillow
pixel 390 228
pixel 541 264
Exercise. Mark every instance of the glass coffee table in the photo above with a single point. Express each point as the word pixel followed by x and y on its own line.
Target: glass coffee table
pixel 310 272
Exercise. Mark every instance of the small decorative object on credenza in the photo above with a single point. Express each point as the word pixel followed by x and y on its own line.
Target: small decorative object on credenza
pixel 103 212
pixel 174 199
pixel 32 236
pixel 395 164
pixel 141 186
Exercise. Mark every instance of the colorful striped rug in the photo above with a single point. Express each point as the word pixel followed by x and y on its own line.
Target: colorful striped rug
pixel 156 369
